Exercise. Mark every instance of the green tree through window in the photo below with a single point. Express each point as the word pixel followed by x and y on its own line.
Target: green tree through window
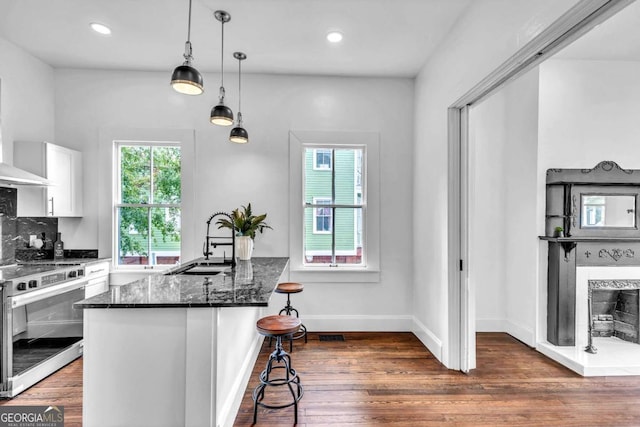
pixel 148 205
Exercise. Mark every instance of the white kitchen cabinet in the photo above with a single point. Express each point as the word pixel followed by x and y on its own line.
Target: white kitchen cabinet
pixel 60 165
pixel 97 279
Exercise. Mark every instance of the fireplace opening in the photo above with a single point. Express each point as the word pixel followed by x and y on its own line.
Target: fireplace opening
pixel 614 313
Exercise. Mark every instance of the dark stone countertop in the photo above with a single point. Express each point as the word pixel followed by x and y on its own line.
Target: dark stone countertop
pixel 237 288
pixel 64 261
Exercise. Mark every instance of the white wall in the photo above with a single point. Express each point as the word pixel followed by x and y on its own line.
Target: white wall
pixel 27 93
pixel 503 243
pixel 588 113
pixel 488 138
pixel 228 175
pixel 488 34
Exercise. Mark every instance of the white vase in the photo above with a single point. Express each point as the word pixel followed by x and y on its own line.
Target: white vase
pixel 244 247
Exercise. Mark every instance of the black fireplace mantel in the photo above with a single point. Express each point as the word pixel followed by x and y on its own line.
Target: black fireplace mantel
pixel 585 244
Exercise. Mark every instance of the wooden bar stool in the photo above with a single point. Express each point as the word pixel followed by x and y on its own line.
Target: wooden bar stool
pixel 278 326
pixel 292 288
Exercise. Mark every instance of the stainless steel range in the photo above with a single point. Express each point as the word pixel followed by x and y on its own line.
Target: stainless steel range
pixel 41 331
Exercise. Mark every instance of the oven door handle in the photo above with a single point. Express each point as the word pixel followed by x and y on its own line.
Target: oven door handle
pixel 19 300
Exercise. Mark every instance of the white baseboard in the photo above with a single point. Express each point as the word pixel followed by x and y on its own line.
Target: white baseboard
pixel 428 338
pixel 522 333
pixel 231 405
pixel 490 325
pixel 357 323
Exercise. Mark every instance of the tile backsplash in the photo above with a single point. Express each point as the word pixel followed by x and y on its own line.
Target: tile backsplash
pixel 8 209
pixel 16 231
pixel 42 227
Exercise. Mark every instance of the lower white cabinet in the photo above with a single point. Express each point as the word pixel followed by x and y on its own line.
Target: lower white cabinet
pixel 97 279
pixel 62 167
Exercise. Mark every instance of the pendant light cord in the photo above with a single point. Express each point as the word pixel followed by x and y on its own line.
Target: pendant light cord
pixel 187 46
pixel 239 86
pixel 189 25
pixel 222 64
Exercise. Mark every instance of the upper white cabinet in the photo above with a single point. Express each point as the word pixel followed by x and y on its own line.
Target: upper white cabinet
pixel 63 167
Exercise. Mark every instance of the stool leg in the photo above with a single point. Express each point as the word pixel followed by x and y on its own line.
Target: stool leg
pixel 282 358
pixel 288 309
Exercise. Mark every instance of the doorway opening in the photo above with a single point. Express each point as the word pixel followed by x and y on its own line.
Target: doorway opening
pixel 576 22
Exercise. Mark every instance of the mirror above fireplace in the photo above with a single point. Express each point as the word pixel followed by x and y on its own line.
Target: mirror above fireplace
pixel 607 211
pixel 594 203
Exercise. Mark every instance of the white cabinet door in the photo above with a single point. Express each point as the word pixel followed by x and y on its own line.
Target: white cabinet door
pixel 61 166
pixel 98 279
pixel 64 170
pixel 96 287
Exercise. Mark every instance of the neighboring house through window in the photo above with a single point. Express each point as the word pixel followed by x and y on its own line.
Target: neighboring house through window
pixel 147 209
pixel 334 200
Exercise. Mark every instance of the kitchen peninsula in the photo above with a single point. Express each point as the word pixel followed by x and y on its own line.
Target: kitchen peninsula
pixel 175 349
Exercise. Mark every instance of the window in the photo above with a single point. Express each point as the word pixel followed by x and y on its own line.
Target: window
pixel 334 205
pixel 350 252
pixel 322 159
pixel 322 216
pixel 148 203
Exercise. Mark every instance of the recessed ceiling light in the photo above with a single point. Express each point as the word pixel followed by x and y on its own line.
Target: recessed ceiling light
pixel 334 36
pixel 100 28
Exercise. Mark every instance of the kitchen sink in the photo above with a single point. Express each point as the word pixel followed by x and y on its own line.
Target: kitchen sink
pixel 207 269
pixel 203 268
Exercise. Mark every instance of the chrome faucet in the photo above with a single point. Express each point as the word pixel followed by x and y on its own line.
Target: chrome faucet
pixel 215 241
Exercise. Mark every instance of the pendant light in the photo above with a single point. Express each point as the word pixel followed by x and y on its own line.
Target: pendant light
pixel 186 79
pixel 221 114
pixel 239 134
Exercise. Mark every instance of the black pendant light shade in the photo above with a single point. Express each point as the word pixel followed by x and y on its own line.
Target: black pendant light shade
pixel 221 114
pixel 239 134
pixel 186 79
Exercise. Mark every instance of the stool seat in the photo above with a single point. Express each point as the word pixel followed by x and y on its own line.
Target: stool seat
pixel 278 325
pixel 289 288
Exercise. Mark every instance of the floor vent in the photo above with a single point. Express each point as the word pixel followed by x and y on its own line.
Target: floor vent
pixel 331 337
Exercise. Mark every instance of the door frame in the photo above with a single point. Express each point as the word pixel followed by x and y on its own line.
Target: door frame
pixel 574 23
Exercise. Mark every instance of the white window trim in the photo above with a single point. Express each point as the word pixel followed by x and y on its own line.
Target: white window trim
pixel 316 201
pixel 190 230
pixel 370 271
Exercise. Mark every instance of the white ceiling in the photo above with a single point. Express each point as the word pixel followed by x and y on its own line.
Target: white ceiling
pixel 381 37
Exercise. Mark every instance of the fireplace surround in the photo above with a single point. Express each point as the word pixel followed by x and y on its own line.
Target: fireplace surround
pixel 598 212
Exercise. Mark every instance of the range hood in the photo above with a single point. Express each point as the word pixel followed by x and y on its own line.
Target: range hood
pixel 11 175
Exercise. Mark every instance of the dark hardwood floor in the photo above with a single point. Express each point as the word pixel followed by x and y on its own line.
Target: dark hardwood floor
pixel 391 379
pixel 63 388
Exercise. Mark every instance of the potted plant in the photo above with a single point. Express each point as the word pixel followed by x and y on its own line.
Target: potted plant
pixel 558 232
pixel 245 224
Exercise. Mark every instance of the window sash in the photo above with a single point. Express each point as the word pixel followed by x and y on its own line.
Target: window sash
pixel 118 205
pixel 359 180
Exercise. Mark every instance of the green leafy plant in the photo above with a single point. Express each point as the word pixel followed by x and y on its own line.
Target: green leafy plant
pixel 244 222
pixel 558 232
